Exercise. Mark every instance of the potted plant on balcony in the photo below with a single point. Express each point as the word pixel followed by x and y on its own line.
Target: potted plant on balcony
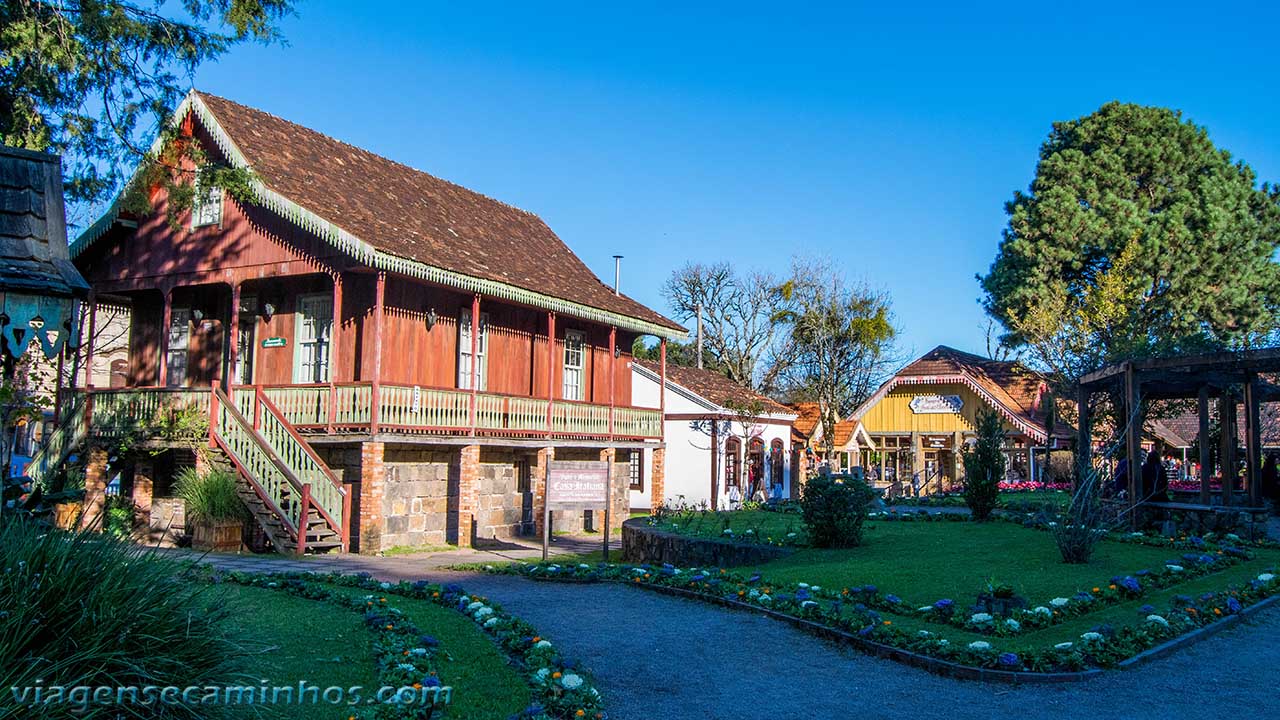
pixel 215 514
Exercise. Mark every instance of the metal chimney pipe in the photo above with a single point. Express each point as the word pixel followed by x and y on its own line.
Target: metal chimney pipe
pixel 698 348
pixel 617 274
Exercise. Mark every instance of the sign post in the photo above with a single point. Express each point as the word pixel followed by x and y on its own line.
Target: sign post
pixel 576 485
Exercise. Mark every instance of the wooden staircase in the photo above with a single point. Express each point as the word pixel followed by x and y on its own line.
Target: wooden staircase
pixel 295 498
pixel 320 538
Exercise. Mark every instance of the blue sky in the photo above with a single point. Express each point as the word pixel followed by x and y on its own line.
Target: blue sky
pixel 885 138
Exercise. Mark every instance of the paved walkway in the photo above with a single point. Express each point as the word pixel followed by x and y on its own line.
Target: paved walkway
pixel 656 656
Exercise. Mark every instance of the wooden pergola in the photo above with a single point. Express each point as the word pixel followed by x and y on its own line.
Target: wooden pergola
pixel 1219 376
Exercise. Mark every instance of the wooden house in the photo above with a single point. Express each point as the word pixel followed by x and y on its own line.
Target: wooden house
pixel 386 358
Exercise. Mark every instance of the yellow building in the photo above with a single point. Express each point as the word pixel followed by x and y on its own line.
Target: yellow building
pixel 912 431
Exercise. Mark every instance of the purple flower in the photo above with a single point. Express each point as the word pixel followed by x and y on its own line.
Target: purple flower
pixel 1146 609
pixel 944 604
pixel 1131 584
pixel 866 631
pixel 431 681
pixel 1009 660
pixel 892 599
pixel 1233 605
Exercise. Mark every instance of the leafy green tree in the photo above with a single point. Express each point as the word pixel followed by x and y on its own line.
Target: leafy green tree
pixel 984 465
pixel 1137 237
pixel 88 79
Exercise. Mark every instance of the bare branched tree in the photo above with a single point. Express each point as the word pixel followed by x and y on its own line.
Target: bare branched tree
pixel 740 314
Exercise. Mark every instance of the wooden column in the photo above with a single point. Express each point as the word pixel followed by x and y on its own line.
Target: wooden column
pixel 1253 440
pixel 1227 449
pixel 335 333
pixel 1133 436
pixel 1084 436
pixel 613 369
pixel 163 375
pixel 93 330
pixel 715 463
pixel 475 357
pixel 379 299
pixel 551 366
pixel 233 336
pixel 1206 455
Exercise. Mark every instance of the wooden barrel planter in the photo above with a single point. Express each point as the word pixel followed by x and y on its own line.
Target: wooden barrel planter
pixel 219 536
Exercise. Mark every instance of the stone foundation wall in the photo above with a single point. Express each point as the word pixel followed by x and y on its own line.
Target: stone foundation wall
pixel 419 497
pixel 643 545
pixel 499 504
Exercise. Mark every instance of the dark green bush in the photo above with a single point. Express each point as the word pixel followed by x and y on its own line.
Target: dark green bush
pixel 984 466
pixel 118 516
pixel 85 609
pixel 834 510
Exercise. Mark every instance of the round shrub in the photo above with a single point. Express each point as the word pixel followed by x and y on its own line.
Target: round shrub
pixel 87 610
pixel 834 510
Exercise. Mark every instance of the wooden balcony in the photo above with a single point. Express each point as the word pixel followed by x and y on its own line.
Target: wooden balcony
pixel 360 408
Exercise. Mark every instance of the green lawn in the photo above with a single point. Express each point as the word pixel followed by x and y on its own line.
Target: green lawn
pixel 926 561
pixel 292 639
pixel 484 684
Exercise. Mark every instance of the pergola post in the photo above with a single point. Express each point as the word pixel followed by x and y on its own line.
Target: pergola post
pixel 1084 436
pixel 1133 437
pixel 1252 440
pixel 1206 455
pixel 1227 419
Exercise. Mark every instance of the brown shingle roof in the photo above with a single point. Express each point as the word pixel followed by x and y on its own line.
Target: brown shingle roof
pixel 717 388
pixel 810 416
pixel 413 215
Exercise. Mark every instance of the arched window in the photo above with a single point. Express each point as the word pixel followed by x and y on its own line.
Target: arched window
pixel 732 448
pixel 775 462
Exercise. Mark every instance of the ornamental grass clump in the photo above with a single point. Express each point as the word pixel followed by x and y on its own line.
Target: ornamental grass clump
pixel 834 510
pixel 984 466
pixel 1084 525
pixel 210 497
pixel 88 610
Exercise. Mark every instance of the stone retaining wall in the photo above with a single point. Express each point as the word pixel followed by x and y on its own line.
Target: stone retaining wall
pixel 644 544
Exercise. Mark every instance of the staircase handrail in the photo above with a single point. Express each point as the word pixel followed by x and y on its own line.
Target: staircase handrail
pixel 65 437
pixel 225 406
pixel 322 501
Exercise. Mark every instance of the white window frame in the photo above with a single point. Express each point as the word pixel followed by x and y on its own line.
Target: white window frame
pixel 574 371
pixel 324 339
pixel 176 356
pixel 206 205
pixel 247 331
pixel 464 350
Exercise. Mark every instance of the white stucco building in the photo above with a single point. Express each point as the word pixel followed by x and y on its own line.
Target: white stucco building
pixel 724 442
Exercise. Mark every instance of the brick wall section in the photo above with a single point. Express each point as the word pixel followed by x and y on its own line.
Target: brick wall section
pixel 468 488
pixel 95 489
pixel 657 479
pixel 539 471
pixel 143 492
pixel 372 484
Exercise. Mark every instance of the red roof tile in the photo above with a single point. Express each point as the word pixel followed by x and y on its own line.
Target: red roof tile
pixel 413 215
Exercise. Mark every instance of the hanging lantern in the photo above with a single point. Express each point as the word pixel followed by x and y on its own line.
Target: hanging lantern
pixel 39 287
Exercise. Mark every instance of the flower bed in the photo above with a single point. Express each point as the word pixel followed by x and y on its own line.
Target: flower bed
pixel 406 657
pixel 642 542
pixel 861 614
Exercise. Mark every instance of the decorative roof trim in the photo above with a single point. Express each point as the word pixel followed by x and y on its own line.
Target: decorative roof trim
pixel 363 251
pixel 705 402
pixel 963 379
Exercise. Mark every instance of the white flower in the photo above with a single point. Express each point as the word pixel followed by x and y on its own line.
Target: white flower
pixel 979 618
pixel 791 535
pixel 584 566
pixel 1266 577
pixel 808 604
pixel 491 622
pixel 815 588
pixel 570 681
pixel 750 532
pixel 1063 646
pixel 1059 602
pixel 474 606
pixel 925 633
pixel 483 612
pixel 1013 625
pixel 638 571
pixel 765 598
pixel 802 585
pixel 944 641
pixel 1158 620
pixel 1091 637
pixel 753 594
pixel 980 645
pixel 926 608
pixel 408 667
pixel 418 651
pixel 728 531
pixel 1041 610
pixel 488 567
pixel 1174 568
pixel 1135 534
pixel 543 644
pixel 385 585
pixel 543 673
